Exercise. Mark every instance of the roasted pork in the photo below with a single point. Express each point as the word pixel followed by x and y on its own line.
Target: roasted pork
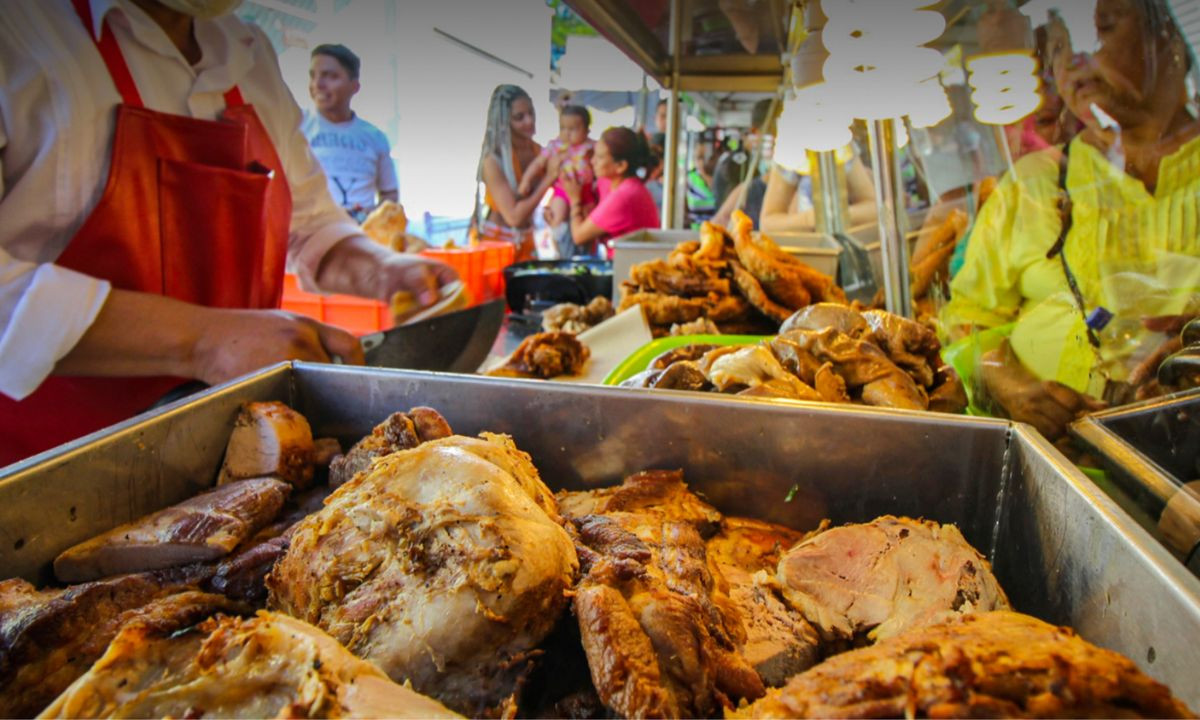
pixel 445 565
pixel 400 431
pixel 269 439
pixel 200 529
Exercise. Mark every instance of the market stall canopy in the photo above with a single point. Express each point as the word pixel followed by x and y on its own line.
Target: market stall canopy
pixel 730 45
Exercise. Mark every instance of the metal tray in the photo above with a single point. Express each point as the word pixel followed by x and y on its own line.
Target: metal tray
pixel 1150 450
pixel 818 251
pixel 1062 549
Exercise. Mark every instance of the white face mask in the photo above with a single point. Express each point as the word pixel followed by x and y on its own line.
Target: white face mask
pixel 202 9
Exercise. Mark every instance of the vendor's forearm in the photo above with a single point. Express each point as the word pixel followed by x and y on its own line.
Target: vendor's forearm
pixel 861 213
pixel 137 334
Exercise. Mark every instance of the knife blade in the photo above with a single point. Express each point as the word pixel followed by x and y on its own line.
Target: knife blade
pixel 454 342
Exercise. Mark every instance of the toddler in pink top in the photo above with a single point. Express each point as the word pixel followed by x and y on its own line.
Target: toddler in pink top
pixel 573 124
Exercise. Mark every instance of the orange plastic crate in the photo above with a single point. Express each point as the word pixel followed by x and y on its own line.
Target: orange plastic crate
pixel 356 315
pixel 481 267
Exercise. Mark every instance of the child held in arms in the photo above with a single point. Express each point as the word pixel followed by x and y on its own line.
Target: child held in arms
pixel 573 142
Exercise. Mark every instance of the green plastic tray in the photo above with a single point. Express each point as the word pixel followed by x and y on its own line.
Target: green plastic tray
pixel 640 359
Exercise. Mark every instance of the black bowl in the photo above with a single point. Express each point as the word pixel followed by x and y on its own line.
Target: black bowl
pixel 538 284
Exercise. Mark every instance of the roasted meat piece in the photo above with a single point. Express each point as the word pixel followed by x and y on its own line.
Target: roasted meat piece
pixel 995 664
pixel 661 639
pixel 267 666
pixel 50 637
pixel 862 365
pixel 445 565
pixel 672 279
pixel 269 439
pixel 659 492
pixel 786 279
pixel 908 343
pixel 572 318
pixel 753 291
pixel 700 326
pixel 820 316
pixel 687 352
pixel 778 642
pixel 754 366
pixel 400 431
pixel 200 529
pixel 881 578
pixel 545 355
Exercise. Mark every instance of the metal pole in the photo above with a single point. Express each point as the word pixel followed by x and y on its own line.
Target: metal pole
pixel 830 204
pixel 889 203
pixel 672 207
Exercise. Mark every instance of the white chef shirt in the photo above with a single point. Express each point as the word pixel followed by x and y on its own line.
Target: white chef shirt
pixel 57 116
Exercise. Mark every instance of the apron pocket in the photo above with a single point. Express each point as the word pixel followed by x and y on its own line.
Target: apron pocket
pixel 213 231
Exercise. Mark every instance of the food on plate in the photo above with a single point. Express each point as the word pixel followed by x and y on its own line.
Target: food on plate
pixel 736 281
pixel 995 664
pixel 269 439
pixel 200 529
pixel 779 642
pixel 400 431
pixel 660 638
pixel 444 564
pixel 545 355
pixel 878 579
pixel 265 666
pixel 826 352
pixel 50 637
pixel 574 319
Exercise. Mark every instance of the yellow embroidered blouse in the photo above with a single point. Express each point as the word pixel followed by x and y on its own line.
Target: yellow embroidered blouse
pixel 1133 252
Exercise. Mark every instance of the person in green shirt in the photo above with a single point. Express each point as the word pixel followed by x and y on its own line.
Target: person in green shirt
pixel 1107 226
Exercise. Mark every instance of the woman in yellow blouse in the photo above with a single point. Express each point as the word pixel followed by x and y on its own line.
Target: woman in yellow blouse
pixel 1122 240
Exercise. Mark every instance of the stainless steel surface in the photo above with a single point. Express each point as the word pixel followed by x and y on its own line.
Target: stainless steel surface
pixel 1150 449
pixel 454 342
pixel 818 251
pixel 889 203
pixel 829 190
pixel 1062 550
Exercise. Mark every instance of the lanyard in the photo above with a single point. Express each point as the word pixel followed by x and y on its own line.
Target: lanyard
pixel 1065 211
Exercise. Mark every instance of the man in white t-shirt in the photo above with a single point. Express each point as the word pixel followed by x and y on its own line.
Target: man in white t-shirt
pixel 354 153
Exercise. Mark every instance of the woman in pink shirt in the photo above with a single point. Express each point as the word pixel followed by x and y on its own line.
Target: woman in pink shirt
pixel 625 204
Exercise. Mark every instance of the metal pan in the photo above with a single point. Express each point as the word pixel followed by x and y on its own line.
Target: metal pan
pixel 1062 549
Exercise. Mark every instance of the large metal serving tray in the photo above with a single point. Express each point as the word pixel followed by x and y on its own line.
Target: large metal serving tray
pixel 818 251
pixel 1062 549
pixel 1150 449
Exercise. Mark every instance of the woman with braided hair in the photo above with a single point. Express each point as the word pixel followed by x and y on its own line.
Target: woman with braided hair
pixel 508 148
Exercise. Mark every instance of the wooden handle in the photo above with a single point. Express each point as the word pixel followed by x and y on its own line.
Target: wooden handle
pixel 1180 521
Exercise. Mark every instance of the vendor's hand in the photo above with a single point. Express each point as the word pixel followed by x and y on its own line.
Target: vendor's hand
pixel 1047 405
pixel 571 186
pixel 357 266
pixel 231 343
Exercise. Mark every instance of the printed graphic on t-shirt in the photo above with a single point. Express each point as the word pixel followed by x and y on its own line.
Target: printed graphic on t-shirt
pixel 356 159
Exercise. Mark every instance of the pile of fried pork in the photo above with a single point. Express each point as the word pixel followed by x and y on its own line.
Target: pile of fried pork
pixel 427 574
pixel 825 352
pixel 741 282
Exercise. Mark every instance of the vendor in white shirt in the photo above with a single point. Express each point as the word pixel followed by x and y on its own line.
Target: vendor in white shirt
pixel 354 153
pixel 155 184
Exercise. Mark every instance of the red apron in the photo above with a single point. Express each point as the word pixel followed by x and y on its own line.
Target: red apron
pixel 196 210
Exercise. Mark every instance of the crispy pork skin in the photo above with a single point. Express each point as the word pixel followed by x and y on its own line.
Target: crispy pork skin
pixel 661 637
pixel 400 431
pixel 994 664
pixel 445 565
pixel 778 642
pixel 269 439
pixel 50 637
pixel 200 529
pixel 267 666
pixel 881 578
